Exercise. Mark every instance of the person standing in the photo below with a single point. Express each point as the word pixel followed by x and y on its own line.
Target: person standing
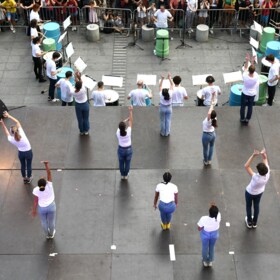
pixel 208 136
pixel 167 193
pixel 98 96
pixel 209 233
pixel 209 91
pixel 45 203
pixel 273 77
pixel 190 14
pixel 249 92
pixel 139 95
pixel 52 75
pixel 37 59
pixel 179 93
pixel 81 105
pixel 125 149
pixel 161 18
pixel 256 187
pixel 165 107
pixel 17 137
pixel 11 9
pixel 66 87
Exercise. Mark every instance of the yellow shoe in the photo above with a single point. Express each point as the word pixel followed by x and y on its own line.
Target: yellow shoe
pixel 163 226
pixel 168 226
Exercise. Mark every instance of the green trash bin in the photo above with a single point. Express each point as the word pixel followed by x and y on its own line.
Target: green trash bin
pixel 267 36
pixel 162 43
pixel 262 90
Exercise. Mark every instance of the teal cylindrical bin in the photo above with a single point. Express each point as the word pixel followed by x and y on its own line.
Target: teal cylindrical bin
pixel 61 75
pixel 162 43
pixel 267 36
pixel 52 30
pixel 273 47
pixel 235 95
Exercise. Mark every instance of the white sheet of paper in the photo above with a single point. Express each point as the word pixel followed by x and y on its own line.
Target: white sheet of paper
pixel 232 77
pixel 200 80
pixel 258 27
pixel 254 54
pixel 67 23
pixel 88 82
pixel 69 50
pixel 80 65
pixel 150 80
pixel 254 43
pixel 165 84
pixel 112 81
pixel 62 37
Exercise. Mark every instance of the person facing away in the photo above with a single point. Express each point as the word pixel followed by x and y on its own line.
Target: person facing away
pixel 179 93
pixel 99 96
pixel 210 90
pixel 138 96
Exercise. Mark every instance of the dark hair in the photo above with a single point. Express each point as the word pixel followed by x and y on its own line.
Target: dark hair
pixel 262 168
pixel 36 40
pixel 165 93
pixel 78 86
pixel 56 55
pixel 213 117
pixel 213 211
pixel 270 57
pixel 210 79
pixel 252 69
pixel 122 127
pixel 68 74
pixel 100 84
pixel 167 177
pixel 33 23
pixel 42 184
pixel 177 80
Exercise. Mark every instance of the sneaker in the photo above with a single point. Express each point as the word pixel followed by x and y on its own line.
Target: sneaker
pixel 74 28
pixel 265 105
pixel 210 264
pixel 11 27
pixel 29 180
pixel 191 30
pixel 49 98
pixel 48 237
pixel 25 180
pixel 81 133
pixel 168 226
pixel 205 163
pixel 54 100
pixel 14 31
pixel 125 177
pixel 86 133
pixel 163 226
pixel 42 80
pixel 209 162
pixel 211 31
pixel 122 177
pixel 52 236
pixel 248 224
pixel 171 38
pixel 205 264
pixel 255 225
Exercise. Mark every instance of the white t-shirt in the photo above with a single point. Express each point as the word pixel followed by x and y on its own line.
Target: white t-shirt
pixel 80 96
pixel 166 102
pixel 207 94
pixel 138 97
pixel 65 87
pixel 273 71
pixel 33 34
pixel 35 49
pixel 99 98
pixel 207 125
pixel 124 141
pixel 46 197
pixel 257 183
pixel 162 18
pixel 210 224
pixel 192 4
pixel 51 67
pixel 178 95
pixel 34 15
pixel 23 144
pixel 251 84
pixel 166 192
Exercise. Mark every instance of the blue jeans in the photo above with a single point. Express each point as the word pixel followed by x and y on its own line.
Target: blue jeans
pixel 246 101
pixel 47 216
pixel 165 113
pixel 250 199
pixel 166 211
pixel 125 155
pixel 52 87
pixel 208 141
pixel 208 240
pixel 25 159
pixel 82 113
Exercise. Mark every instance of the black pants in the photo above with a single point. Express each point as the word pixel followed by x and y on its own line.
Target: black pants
pixel 38 67
pixel 52 88
pixel 63 103
pixel 271 92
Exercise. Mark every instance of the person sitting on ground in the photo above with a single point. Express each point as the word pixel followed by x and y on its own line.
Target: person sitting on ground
pixel 139 95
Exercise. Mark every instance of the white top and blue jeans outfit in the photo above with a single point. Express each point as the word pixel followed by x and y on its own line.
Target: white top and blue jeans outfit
pixel 208 139
pixel 165 113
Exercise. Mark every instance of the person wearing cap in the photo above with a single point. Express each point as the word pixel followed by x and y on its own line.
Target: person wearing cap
pixel 208 226
pixel 17 137
pixel 138 96
pixel 210 90
pixel 45 204
pixel 273 77
pixel 167 193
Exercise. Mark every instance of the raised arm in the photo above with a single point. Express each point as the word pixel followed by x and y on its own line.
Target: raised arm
pixel 211 107
pixel 5 129
pixel 247 165
pixel 170 81
pixel 264 156
pixel 247 59
pixel 7 115
pixel 130 118
pixel 49 174
pixel 160 83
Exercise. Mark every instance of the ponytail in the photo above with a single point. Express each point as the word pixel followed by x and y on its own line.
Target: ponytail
pixel 214 119
pixel 165 93
pixel 122 128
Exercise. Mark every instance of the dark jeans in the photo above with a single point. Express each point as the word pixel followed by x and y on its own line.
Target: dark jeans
pixel 271 92
pixel 52 87
pixel 125 155
pixel 246 101
pixel 63 103
pixel 38 66
pixel 82 113
pixel 252 199
pixel 213 16
pixel 25 159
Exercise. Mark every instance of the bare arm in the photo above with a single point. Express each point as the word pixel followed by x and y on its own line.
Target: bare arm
pixel 49 174
pixel 170 81
pixel 130 118
pixel 7 115
pixel 247 165
pixel 34 208
pixel 176 199
pixel 156 199
pixel 264 156
pixel 199 228
pixel 247 59
pixel 5 129
pixel 211 108
pixel 160 83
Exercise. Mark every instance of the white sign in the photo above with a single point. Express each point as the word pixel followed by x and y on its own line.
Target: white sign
pixel 113 81
pixel 67 23
pixel 80 65
pixel 232 77
pixel 150 80
pixel 69 50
